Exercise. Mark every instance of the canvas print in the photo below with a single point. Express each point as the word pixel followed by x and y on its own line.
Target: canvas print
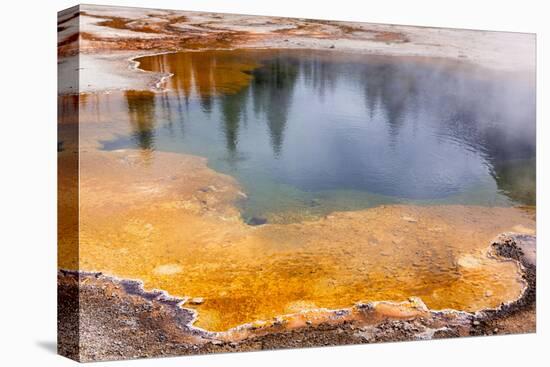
pixel 233 183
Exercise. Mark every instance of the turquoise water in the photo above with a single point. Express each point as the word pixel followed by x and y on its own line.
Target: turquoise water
pixel 310 133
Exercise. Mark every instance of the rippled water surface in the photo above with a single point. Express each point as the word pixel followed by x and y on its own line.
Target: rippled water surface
pixel 309 132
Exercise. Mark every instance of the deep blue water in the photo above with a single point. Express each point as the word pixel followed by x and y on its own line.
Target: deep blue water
pixel 311 133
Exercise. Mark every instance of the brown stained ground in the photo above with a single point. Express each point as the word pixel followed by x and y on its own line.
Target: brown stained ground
pixel 176 31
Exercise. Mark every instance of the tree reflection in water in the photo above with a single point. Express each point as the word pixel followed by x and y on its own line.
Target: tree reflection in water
pixel 400 128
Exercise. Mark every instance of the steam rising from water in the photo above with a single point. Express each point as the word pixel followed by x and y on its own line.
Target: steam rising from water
pixel 309 131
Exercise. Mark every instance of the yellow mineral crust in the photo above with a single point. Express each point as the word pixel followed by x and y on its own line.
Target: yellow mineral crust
pixel 170 221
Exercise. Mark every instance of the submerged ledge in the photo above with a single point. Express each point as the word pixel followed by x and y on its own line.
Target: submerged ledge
pixel 119 319
pixel 308 265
